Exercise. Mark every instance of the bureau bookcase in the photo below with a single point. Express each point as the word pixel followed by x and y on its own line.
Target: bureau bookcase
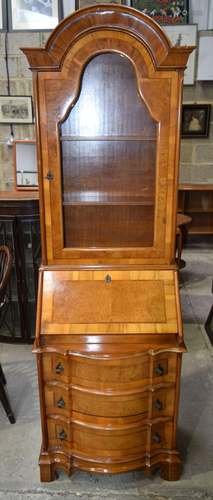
pixel 107 91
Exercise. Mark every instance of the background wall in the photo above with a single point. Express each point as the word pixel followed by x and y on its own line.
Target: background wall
pixel 20 84
pixel 196 155
pixel 196 160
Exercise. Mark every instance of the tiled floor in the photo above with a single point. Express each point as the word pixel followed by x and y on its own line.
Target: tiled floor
pixel 20 443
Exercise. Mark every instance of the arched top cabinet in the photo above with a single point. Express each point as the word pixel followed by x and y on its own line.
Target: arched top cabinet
pixel 107 101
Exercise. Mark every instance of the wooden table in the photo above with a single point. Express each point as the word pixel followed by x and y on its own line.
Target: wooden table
pixel 182 229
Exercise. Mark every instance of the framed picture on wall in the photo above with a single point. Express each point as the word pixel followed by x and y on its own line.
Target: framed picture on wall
pixel 164 11
pixel 195 120
pixel 79 4
pixel 25 165
pixel 3 20
pixel 34 15
pixel 181 36
pixel 16 109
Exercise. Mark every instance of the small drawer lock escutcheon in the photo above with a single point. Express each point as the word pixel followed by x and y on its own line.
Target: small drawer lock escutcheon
pixel 108 278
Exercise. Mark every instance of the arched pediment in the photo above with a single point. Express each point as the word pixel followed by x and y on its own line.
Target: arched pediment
pixel 94 19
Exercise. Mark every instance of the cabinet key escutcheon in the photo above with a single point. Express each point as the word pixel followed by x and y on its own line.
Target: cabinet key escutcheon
pixel 49 176
pixel 108 278
pixel 59 368
pixel 158 405
pixel 157 438
pixel 159 370
pixel 60 402
pixel 62 435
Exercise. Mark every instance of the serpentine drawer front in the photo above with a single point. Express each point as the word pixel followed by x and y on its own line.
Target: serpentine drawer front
pixel 105 441
pixel 99 373
pixel 70 401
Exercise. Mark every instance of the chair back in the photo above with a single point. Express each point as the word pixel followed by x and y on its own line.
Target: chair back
pixel 5 268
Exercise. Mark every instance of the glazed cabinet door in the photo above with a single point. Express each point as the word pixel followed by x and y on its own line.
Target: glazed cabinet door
pixel 108 156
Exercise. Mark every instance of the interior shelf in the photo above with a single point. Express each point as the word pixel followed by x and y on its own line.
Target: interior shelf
pixel 198 210
pixel 108 138
pixel 93 203
pixel 196 200
pixel 200 230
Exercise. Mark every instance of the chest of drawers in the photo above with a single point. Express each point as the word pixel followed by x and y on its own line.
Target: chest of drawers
pixel 109 394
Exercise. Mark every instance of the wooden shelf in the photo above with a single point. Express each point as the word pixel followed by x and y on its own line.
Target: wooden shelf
pixel 137 203
pixel 107 138
pixel 199 230
pixel 192 200
pixel 198 210
pixel 195 187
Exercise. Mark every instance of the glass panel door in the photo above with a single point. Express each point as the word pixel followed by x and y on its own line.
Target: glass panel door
pixel 108 156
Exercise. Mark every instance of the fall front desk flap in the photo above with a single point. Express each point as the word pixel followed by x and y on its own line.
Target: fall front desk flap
pixel 109 302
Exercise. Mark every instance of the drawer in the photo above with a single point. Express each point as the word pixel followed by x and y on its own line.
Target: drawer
pixel 127 372
pixel 98 373
pixel 68 401
pixel 104 442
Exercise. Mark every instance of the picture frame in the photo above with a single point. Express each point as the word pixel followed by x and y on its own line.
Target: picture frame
pixel 185 34
pixel 34 15
pixel 16 109
pixel 68 7
pixel 205 60
pixel 164 12
pixel 3 16
pixel 25 165
pixel 79 4
pixel 195 120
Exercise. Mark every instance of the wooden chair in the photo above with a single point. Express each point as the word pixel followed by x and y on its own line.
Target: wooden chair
pixel 5 268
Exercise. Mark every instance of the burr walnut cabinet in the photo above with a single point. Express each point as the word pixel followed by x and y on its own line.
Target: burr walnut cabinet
pixel 109 343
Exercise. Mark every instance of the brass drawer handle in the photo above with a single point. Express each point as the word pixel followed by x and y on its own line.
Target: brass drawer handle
pixel 60 402
pixel 159 370
pixel 158 405
pixel 62 435
pixel 157 438
pixel 59 368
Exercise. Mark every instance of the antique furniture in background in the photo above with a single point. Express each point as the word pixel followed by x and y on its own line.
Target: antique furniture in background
pixel 25 165
pixel 109 342
pixel 209 322
pixel 209 325
pixel 20 232
pixel 183 222
pixel 5 269
pixel 196 201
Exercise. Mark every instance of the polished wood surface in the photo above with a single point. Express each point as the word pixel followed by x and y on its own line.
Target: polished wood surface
pixel 132 302
pixel 108 88
pixel 16 195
